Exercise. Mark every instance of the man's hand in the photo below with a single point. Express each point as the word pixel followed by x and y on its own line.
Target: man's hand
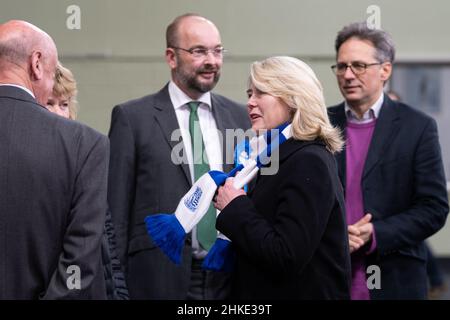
pixel 360 233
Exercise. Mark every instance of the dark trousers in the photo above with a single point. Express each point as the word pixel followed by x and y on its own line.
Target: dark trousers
pixel 434 272
pixel 208 285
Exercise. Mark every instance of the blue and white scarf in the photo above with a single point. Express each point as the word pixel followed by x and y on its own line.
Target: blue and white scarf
pixel 169 231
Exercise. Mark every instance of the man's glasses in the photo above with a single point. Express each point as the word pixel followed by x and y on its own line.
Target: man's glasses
pixel 356 67
pixel 203 52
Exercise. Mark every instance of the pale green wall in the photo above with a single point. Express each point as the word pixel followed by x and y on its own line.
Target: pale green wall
pixel 118 53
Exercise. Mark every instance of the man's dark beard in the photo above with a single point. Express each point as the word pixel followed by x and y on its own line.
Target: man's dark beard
pixel 192 83
pixel 202 87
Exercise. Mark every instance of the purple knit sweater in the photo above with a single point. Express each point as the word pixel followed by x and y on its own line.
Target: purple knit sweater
pixel 358 141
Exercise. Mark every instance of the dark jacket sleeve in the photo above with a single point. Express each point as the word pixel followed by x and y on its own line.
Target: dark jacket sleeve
pixel 121 182
pixel 82 238
pixel 429 205
pixel 116 287
pixel 287 242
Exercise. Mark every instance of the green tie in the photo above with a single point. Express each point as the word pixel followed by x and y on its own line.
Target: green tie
pixel 206 228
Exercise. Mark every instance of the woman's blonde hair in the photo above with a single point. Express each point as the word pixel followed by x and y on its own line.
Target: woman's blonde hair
pixel 295 83
pixel 65 85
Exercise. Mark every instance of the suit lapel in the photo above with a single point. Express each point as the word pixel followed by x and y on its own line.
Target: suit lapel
pixel 168 123
pixel 383 134
pixel 224 121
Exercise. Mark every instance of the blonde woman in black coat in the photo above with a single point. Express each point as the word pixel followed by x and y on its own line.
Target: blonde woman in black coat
pixel 289 232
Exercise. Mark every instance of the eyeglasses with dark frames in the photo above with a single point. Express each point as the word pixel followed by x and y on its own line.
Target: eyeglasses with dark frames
pixel 357 67
pixel 200 52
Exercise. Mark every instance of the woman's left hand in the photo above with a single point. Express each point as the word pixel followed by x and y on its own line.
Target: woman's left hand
pixel 226 194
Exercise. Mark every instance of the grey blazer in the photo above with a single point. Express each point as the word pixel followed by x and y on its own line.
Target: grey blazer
pixel 143 180
pixel 53 179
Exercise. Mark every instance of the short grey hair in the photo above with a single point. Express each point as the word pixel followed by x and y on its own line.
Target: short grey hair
pixel 381 40
pixel 14 50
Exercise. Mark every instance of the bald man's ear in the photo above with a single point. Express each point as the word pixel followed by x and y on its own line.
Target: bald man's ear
pixel 171 58
pixel 37 65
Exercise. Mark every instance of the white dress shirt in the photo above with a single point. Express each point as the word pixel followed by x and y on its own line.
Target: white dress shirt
pixel 211 139
pixel 207 125
pixel 368 116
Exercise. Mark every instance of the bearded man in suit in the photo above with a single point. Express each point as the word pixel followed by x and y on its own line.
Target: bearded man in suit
pixel 148 176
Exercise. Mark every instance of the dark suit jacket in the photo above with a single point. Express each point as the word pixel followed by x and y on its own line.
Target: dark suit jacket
pixel 290 235
pixel 144 180
pixel 404 188
pixel 53 179
pixel 116 286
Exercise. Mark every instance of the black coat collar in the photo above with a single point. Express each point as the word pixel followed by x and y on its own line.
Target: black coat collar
pixel 292 145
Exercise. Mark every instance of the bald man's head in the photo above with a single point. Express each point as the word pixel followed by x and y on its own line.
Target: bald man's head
pixel 173 30
pixel 28 57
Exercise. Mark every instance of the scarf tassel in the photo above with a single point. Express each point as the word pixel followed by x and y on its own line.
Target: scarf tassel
pixel 221 256
pixel 167 233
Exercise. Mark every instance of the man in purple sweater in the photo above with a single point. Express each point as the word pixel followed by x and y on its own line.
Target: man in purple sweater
pixel 391 170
